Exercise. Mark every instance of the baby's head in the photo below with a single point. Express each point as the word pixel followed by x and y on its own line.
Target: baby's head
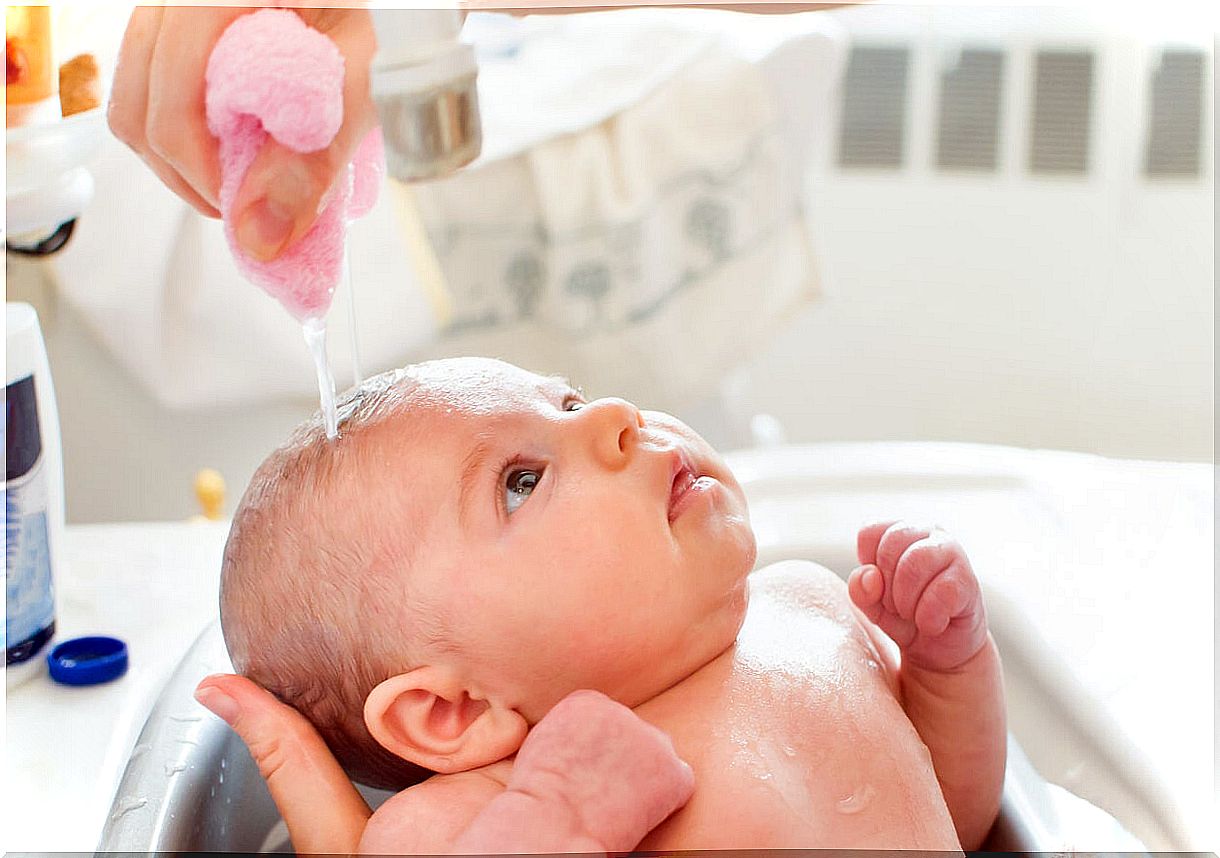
pixel 478 543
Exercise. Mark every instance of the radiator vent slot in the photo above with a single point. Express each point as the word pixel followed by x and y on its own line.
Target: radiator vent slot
pixel 969 127
pixel 873 125
pixel 1175 115
pixel 1063 92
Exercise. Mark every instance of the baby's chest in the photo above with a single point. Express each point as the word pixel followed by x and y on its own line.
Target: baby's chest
pixel 802 652
pixel 799 741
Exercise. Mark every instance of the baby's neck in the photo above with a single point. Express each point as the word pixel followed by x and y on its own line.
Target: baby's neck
pixel 681 685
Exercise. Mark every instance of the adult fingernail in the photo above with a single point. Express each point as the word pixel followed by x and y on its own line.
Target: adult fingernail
pixel 262 232
pixel 265 227
pixel 220 704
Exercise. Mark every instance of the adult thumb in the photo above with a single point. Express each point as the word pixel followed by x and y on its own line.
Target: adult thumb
pixel 283 190
pixel 324 812
pixel 280 198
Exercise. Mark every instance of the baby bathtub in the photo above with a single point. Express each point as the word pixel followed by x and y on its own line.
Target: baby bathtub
pixel 191 786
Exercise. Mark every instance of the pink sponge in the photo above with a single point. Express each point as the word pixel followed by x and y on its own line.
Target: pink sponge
pixel 270 74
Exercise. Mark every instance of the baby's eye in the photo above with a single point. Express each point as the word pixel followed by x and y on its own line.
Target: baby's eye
pixel 575 400
pixel 519 486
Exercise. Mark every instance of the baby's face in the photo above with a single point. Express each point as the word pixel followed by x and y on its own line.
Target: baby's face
pixel 566 544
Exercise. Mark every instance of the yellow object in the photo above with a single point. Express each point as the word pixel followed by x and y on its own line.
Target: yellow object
pixel 30 75
pixel 426 266
pixel 210 492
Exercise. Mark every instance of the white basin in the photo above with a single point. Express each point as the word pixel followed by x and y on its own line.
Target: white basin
pixel 1041 529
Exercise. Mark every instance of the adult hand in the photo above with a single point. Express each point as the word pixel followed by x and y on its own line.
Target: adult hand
pixel 324 812
pixel 157 108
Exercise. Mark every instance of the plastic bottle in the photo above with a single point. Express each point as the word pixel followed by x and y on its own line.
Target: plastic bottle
pixel 33 497
pixel 31 80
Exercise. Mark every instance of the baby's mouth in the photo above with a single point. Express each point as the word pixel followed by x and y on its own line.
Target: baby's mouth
pixel 685 482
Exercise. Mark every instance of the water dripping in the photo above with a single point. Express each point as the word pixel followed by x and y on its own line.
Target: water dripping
pixel 315 338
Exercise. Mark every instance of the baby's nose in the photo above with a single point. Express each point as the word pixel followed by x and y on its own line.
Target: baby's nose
pixel 612 428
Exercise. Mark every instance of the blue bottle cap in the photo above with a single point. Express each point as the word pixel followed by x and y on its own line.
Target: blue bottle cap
pixel 88 661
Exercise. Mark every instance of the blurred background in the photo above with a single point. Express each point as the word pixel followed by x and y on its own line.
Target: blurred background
pixel 988 224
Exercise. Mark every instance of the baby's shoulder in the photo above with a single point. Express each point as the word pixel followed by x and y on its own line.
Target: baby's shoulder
pixel 800 585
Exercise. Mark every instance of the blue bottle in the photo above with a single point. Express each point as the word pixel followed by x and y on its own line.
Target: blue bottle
pixel 33 497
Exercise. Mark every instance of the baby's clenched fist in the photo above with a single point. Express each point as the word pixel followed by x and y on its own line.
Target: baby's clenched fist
pixel 916 584
pixel 619 774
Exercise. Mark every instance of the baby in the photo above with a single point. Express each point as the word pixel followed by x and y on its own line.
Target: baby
pixel 481 542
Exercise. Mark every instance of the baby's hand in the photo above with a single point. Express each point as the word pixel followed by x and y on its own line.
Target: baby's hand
pixel 618 773
pixel 916 584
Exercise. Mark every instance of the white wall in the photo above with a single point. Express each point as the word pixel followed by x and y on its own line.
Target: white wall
pixel 126 456
pixel 1065 312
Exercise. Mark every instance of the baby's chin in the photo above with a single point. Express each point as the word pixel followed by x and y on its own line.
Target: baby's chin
pixel 709 641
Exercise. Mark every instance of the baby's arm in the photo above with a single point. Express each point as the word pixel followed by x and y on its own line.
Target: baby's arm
pixel 918 587
pixel 592 776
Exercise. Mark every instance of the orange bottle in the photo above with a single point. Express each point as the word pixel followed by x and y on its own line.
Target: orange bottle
pixel 30 79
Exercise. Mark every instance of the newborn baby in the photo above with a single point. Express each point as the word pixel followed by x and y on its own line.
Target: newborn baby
pixel 481 542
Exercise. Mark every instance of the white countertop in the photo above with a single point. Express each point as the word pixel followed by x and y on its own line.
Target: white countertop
pixel 152 585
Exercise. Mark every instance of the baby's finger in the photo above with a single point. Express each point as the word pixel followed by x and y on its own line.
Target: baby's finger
pixel 177 128
pixel 867 540
pixel 900 631
pixel 894 543
pixel 922 561
pixel 323 811
pixel 935 610
pixel 949 596
pixel 864 587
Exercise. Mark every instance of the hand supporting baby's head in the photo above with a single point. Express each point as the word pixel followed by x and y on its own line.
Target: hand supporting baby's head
pixel 478 543
pixel 311 576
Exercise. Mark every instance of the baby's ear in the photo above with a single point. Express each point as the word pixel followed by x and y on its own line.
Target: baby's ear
pixel 428 718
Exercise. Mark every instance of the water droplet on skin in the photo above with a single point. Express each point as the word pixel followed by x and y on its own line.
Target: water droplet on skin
pixel 789 751
pixel 126 806
pixel 855 802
